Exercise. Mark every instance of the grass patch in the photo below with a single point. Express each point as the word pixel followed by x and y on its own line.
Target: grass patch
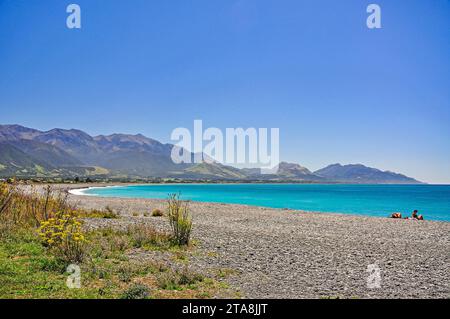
pixel 143 236
pixel 157 213
pixel 137 291
pixel 226 272
pixel 30 270
pixel 179 280
pixel 107 213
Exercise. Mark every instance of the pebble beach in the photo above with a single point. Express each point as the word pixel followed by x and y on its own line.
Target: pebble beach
pixel 275 253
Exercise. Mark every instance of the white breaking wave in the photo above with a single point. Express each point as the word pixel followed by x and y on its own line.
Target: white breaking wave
pixel 81 191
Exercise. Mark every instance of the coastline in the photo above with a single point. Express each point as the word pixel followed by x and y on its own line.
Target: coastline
pixel 276 253
pixel 79 191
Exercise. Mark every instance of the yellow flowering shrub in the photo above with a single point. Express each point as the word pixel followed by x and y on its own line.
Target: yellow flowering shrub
pixel 63 233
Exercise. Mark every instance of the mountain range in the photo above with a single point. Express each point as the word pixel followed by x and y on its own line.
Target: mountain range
pixel 27 152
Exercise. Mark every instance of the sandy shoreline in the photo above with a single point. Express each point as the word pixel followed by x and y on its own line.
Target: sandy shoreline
pixel 277 253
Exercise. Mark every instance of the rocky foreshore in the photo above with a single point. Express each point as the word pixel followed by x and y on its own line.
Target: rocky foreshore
pixel 272 253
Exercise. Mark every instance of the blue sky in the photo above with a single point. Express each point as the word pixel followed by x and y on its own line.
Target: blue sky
pixel 338 91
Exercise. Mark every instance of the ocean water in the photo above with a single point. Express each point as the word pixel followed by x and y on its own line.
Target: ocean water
pixel 432 201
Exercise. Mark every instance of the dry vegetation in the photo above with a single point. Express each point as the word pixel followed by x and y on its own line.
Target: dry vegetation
pixel 42 233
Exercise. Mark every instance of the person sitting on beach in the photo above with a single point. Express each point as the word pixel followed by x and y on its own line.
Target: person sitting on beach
pixel 415 216
pixel 396 215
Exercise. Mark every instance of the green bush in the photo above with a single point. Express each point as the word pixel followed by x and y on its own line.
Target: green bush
pixel 136 291
pixel 175 280
pixel 125 274
pixel 157 213
pixel 180 220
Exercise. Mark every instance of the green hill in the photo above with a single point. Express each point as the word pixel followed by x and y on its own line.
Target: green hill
pixel 13 161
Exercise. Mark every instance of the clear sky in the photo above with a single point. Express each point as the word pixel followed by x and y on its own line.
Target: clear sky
pixel 338 91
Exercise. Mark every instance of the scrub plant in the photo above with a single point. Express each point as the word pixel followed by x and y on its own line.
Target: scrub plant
pixel 180 219
pixel 63 234
pixel 157 213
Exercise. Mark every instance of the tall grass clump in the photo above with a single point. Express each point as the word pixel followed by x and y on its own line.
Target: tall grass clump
pixel 180 219
pixel 7 193
pixel 24 209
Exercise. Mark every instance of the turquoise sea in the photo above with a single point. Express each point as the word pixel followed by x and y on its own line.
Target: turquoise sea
pixel 432 201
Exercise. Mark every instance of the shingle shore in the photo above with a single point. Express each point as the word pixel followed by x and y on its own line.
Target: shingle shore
pixel 274 253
